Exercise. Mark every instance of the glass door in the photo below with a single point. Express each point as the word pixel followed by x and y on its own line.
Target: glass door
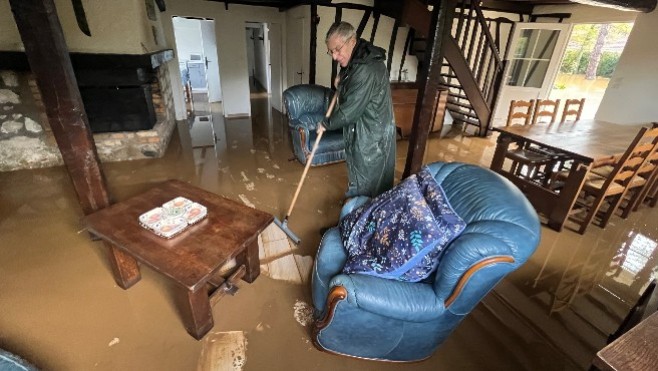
pixel 532 62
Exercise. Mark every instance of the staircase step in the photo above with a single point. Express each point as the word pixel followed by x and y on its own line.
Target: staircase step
pixel 457 95
pixel 464 110
pixel 452 85
pixel 457 116
pixel 454 102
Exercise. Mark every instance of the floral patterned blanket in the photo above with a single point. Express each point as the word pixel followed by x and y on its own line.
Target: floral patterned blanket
pixel 400 234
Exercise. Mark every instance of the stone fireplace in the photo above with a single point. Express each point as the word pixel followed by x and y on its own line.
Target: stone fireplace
pixel 127 98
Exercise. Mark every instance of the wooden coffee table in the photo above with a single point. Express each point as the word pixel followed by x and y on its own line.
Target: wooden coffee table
pixel 192 258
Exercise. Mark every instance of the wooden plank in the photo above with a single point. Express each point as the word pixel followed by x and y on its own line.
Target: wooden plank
pixel 48 55
pixel 315 20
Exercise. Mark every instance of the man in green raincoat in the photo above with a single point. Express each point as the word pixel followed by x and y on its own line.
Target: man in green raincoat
pixel 364 111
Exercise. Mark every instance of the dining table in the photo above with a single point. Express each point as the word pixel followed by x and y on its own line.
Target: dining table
pixel 583 144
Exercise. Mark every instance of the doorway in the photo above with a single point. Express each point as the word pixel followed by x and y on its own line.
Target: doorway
pixel 264 45
pixel 196 49
pixel 590 58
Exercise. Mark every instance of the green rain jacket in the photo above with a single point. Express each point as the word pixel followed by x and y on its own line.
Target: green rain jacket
pixel 365 112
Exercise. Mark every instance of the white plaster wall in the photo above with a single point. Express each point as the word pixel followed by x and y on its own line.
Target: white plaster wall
pixel 231 47
pixel 188 38
pixel 633 90
pixel 116 27
pixel 382 39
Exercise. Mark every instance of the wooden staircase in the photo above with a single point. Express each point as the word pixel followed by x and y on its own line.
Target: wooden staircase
pixel 472 70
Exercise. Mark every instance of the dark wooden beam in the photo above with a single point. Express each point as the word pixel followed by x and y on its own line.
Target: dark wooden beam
pixel 49 60
pixel 441 23
pixel 391 44
pixel 334 64
pixel 315 19
pixel 375 17
pixel 517 7
pixel 407 46
pixel 363 23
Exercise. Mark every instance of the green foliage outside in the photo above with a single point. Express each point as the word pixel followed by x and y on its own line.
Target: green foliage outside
pixel 575 62
pixel 582 42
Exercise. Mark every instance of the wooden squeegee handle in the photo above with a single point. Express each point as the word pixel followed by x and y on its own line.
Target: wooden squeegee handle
pixel 309 159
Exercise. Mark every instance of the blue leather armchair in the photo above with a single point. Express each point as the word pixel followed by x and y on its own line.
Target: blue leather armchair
pixel 380 319
pixel 12 362
pixel 306 106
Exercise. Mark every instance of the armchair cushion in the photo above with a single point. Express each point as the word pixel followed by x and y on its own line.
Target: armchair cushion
pixel 401 233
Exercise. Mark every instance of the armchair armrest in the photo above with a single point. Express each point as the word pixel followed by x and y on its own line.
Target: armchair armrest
pixel 308 121
pixel 407 301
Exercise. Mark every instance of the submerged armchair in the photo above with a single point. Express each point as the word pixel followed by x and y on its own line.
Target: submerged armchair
pixel 306 106
pixel 382 319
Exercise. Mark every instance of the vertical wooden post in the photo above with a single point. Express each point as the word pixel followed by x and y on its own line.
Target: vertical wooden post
pixel 49 60
pixel 315 19
pixel 334 64
pixel 440 25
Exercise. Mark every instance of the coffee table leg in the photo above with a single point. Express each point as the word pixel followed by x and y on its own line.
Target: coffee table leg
pixel 249 257
pixel 196 311
pixel 124 267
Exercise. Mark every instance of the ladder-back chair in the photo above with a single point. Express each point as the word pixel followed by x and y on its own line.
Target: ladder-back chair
pixel 644 178
pixel 545 108
pixel 611 189
pixel 573 107
pixel 649 192
pixel 520 109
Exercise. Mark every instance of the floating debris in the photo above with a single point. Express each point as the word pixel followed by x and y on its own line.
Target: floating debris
pixel 303 313
pixel 244 176
pixel 246 201
pixel 260 170
pixel 223 351
pixel 114 341
pixel 250 186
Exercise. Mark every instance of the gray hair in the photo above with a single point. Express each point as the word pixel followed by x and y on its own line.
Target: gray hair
pixel 343 30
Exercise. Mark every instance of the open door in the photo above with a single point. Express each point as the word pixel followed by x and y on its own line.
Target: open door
pixel 210 56
pixel 533 60
pixel 296 49
pixel 275 48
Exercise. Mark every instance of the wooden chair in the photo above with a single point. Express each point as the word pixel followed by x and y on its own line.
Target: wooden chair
pixel 545 108
pixel 520 109
pixel 573 107
pixel 649 193
pixel 644 179
pixel 531 163
pixel 598 190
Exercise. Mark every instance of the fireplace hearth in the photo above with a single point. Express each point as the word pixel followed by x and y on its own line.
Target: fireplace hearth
pixel 127 98
pixel 118 90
